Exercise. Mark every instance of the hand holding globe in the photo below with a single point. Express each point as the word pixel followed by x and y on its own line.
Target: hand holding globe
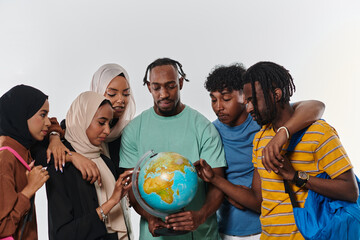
pixel 164 183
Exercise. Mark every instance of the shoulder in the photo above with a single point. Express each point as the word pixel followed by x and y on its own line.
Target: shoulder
pixel 320 129
pixel 7 161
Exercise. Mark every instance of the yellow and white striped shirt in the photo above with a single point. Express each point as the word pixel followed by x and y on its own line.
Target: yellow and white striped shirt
pixel 320 150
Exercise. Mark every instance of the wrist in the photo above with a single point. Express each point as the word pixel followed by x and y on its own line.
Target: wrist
pixel 285 130
pixel 27 192
pixel 300 178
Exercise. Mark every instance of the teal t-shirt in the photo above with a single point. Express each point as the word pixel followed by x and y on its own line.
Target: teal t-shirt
pixel 188 133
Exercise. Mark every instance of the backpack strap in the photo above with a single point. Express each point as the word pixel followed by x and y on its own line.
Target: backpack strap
pixel 17 156
pixel 295 139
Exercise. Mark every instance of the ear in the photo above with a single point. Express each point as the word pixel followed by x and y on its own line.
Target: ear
pixel 181 82
pixel 278 94
pixel 148 86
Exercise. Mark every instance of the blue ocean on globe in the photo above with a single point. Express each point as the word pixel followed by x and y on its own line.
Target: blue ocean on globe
pixel 168 182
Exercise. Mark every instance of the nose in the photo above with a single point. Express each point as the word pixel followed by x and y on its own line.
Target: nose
pixel 218 106
pixel 249 107
pixel 47 122
pixel 164 93
pixel 107 129
pixel 120 99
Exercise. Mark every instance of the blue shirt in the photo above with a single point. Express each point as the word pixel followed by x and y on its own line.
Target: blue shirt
pixel 238 146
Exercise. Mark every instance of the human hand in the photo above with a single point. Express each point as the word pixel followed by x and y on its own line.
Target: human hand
pixel 36 178
pixel 122 186
pixel 287 172
pixel 155 223
pixel 58 150
pixel 272 159
pixel 185 221
pixel 204 171
pixel 88 168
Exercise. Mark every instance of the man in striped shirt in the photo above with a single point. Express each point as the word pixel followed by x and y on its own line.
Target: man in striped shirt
pixel 267 89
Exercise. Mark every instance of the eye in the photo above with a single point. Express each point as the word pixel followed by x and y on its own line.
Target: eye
pixel 172 86
pixel 126 94
pixel 227 99
pixel 213 100
pixel 111 94
pixel 102 123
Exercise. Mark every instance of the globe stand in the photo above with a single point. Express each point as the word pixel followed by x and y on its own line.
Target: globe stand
pixel 159 231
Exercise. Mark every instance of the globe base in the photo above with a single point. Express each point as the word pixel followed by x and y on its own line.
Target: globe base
pixel 168 232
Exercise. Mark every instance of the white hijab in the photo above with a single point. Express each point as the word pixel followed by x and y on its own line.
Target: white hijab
pixel 101 79
pixel 78 119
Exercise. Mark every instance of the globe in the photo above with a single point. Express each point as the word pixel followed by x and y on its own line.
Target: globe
pixel 164 182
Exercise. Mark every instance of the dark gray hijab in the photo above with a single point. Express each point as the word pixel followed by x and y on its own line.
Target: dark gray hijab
pixel 17 106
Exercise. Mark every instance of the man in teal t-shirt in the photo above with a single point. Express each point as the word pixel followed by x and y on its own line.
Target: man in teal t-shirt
pixel 170 126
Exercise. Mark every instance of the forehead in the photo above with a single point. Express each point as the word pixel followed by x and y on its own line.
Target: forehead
pixel 118 82
pixel 248 89
pixel 163 73
pixel 104 111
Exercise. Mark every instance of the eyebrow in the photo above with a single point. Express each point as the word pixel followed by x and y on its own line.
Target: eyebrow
pixel 44 111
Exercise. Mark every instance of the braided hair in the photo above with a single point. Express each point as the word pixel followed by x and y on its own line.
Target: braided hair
pixel 270 76
pixel 221 77
pixel 162 62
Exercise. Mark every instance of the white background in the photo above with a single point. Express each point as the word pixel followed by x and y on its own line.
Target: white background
pixel 56 46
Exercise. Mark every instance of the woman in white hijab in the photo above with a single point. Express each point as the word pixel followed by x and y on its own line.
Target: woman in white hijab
pixel 78 209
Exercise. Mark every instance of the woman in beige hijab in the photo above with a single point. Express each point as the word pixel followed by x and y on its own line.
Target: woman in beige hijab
pixel 78 209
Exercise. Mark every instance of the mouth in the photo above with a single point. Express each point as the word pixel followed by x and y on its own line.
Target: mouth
pixel 102 139
pixel 119 108
pixel 222 116
pixel 165 103
pixel 44 132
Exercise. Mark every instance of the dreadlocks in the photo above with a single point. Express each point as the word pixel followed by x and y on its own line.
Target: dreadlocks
pixel 229 77
pixel 270 76
pixel 162 62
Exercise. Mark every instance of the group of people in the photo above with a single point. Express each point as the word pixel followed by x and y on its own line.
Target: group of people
pixel 241 158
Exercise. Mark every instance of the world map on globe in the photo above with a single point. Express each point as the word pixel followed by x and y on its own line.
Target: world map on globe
pixel 167 182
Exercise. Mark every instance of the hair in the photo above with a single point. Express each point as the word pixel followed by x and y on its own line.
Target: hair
pixel 270 76
pixel 229 77
pixel 105 101
pixel 162 62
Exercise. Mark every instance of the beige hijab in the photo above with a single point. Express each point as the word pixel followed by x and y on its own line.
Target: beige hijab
pixel 78 119
pixel 101 79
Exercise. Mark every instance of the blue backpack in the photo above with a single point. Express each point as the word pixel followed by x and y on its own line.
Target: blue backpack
pixel 323 218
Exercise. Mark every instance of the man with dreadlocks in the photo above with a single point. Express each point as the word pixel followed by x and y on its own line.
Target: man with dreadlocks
pixel 237 130
pixel 171 126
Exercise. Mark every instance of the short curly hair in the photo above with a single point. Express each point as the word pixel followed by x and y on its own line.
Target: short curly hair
pixel 229 77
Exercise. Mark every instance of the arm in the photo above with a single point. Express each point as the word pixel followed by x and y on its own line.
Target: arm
pixel 56 147
pixel 14 205
pixel 343 187
pixel 191 220
pixel 305 114
pixel 247 197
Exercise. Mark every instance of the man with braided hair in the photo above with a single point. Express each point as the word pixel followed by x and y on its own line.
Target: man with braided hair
pixel 171 126
pixel 267 90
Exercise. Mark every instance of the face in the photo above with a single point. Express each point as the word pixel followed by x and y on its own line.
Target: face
pixel 165 87
pixel 263 116
pixel 99 127
pixel 39 123
pixel 228 106
pixel 118 93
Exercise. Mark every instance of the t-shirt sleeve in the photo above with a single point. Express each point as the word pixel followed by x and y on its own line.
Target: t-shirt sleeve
pixel 212 148
pixel 129 148
pixel 331 155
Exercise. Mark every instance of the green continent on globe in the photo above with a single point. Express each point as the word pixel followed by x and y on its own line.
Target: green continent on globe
pixel 163 168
